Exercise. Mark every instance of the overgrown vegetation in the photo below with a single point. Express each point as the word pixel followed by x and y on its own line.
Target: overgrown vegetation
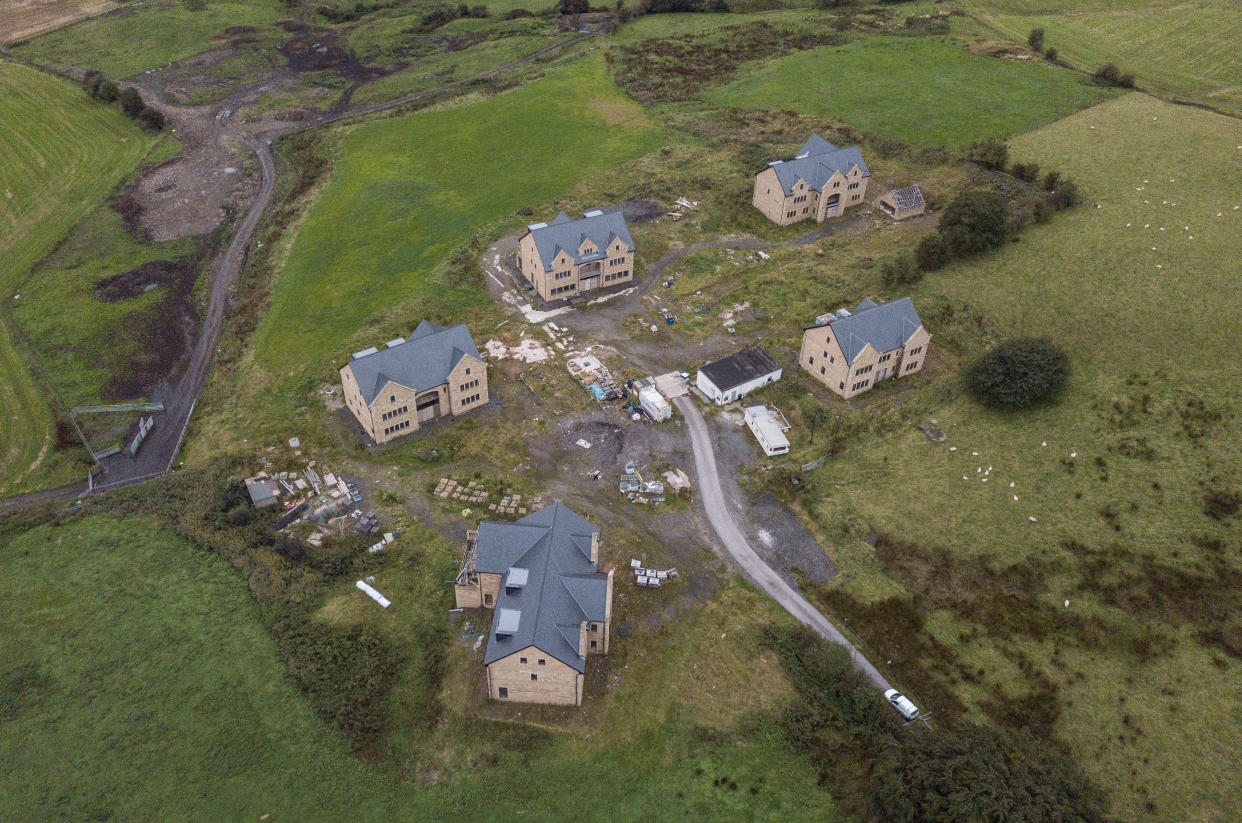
pixel 97 85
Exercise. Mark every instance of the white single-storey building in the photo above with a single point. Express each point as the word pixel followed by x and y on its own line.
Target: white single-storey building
pixel 768 429
pixel 733 377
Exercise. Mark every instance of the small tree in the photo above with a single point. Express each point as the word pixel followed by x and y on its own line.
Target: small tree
pixel 991 154
pixel 1109 75
pixel 1051 54
pixel 573 6
pixel 1066 195
pixel 975 221
pixel 1026 172
pixel 815 415
pixel 1036 39
pixel 932 253
pixel 1051 180
pixel 1019 372
pixel 151 118
pixel 109 91
pixel 900 270
pixel 131 102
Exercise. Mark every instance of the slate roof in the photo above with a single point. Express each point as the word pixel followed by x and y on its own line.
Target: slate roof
pixel 422 362
pixel 908 198
pixel 566 233
pixel 732 371
pixel 562 590
pixel 816 162
pixel 886 326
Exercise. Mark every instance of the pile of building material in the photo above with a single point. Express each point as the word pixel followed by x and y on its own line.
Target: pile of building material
pixel 637 489
pixel 379 547
pixel 367 524
pixel 652 578
pixel 508 505
pixel 681 207
pixel 363 586
pixel 472 492
pixel 598 379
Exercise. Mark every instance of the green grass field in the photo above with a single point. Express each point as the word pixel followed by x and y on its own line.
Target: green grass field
pixel 1175 48
pixel 149 35
pixel 138 676
pixel 1110 513
pixel 90 348
pixel 62 154
pixel 410 190
pixel 920 90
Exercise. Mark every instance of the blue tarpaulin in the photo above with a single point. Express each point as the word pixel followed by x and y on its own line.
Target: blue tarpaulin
pixel 597 391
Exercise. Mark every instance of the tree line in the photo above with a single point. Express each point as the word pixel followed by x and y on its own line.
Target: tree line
pixel 98 85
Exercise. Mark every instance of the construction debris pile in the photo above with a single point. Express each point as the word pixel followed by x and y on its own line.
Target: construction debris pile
pixel 597 378
pixel 652 578
pixel 316 503
pixel 640 490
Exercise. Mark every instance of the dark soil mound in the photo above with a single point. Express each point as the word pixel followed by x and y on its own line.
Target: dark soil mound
pixel 136 281
pixel 311 49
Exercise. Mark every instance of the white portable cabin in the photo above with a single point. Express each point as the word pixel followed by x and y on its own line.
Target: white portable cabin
pixel 767 430
pixel 654 404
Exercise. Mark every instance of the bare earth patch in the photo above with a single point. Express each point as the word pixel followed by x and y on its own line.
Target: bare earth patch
pixel 22 20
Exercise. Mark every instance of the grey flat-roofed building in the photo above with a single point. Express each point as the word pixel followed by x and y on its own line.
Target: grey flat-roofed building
pixel 733 377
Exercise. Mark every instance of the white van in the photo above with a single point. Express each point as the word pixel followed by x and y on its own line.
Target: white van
pixel 902 704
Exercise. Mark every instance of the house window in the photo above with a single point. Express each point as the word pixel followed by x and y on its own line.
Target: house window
pixel 841 385
pixel 594 644
pixel 542 662
pixel 831 359
pixel 886 357
pixel 914 351
pixel 502 693
pixel 392 399
pixel 522 660
pixel 487 598
pixel 467 370
pixel 863 370
pixel 594 627
pixel 823 369
pixel 837 184
pixel 534 676
pixel 854 185
pixel 862 384
pixel 811 360
pixel 911 366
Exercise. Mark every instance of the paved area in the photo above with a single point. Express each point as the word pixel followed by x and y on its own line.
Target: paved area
pixel 712 496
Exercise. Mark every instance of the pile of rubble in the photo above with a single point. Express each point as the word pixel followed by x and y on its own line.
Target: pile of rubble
pixel 652 578
pixel 598 379
pixel 637 489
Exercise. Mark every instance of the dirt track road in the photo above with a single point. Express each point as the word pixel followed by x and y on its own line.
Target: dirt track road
pixel 160 450
pixel 731 537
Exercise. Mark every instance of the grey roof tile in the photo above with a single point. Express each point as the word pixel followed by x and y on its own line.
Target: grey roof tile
pixel 422 362
pixel 816 162
pixel 885 326
pixel 563 588
pixel 566 233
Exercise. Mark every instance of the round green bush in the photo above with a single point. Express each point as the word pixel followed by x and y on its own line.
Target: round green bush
pixel 1019 372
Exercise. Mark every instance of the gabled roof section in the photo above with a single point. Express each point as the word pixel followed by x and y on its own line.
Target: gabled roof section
pixel 563 588
pixel 567 235
pixel 816 162
pixel 747 365
pixel 422 362
pixel 885 326
pixel 908 198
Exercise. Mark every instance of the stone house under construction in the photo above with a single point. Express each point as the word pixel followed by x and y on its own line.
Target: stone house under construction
pixel 850 352
pixel 568 257
pixel 553 603
pixel 822 181
pixel 435 372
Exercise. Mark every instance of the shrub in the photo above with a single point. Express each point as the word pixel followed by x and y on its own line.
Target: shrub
pixel 901 270
pixel 963 772
pixel 131 102
pixel 514 14
pixel 932 253
pixel 991 154
pixel 573 6
pixel 151 118
pixel 108 91
pixel 1026 172
pixel 1051 180
pixel 975 221
pixel 1019 372
pixel 1109 75
pixel 1051 54
pixel 1036 39
pixel 1066 195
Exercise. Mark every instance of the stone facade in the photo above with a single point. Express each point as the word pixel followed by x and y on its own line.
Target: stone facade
pixel 840 192
pixel 570 257
pixel 823 357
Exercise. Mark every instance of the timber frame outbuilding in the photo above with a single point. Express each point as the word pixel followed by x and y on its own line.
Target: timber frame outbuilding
pixel 902 203
pixel 544 577
pixel 435 372
pixel 820 182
